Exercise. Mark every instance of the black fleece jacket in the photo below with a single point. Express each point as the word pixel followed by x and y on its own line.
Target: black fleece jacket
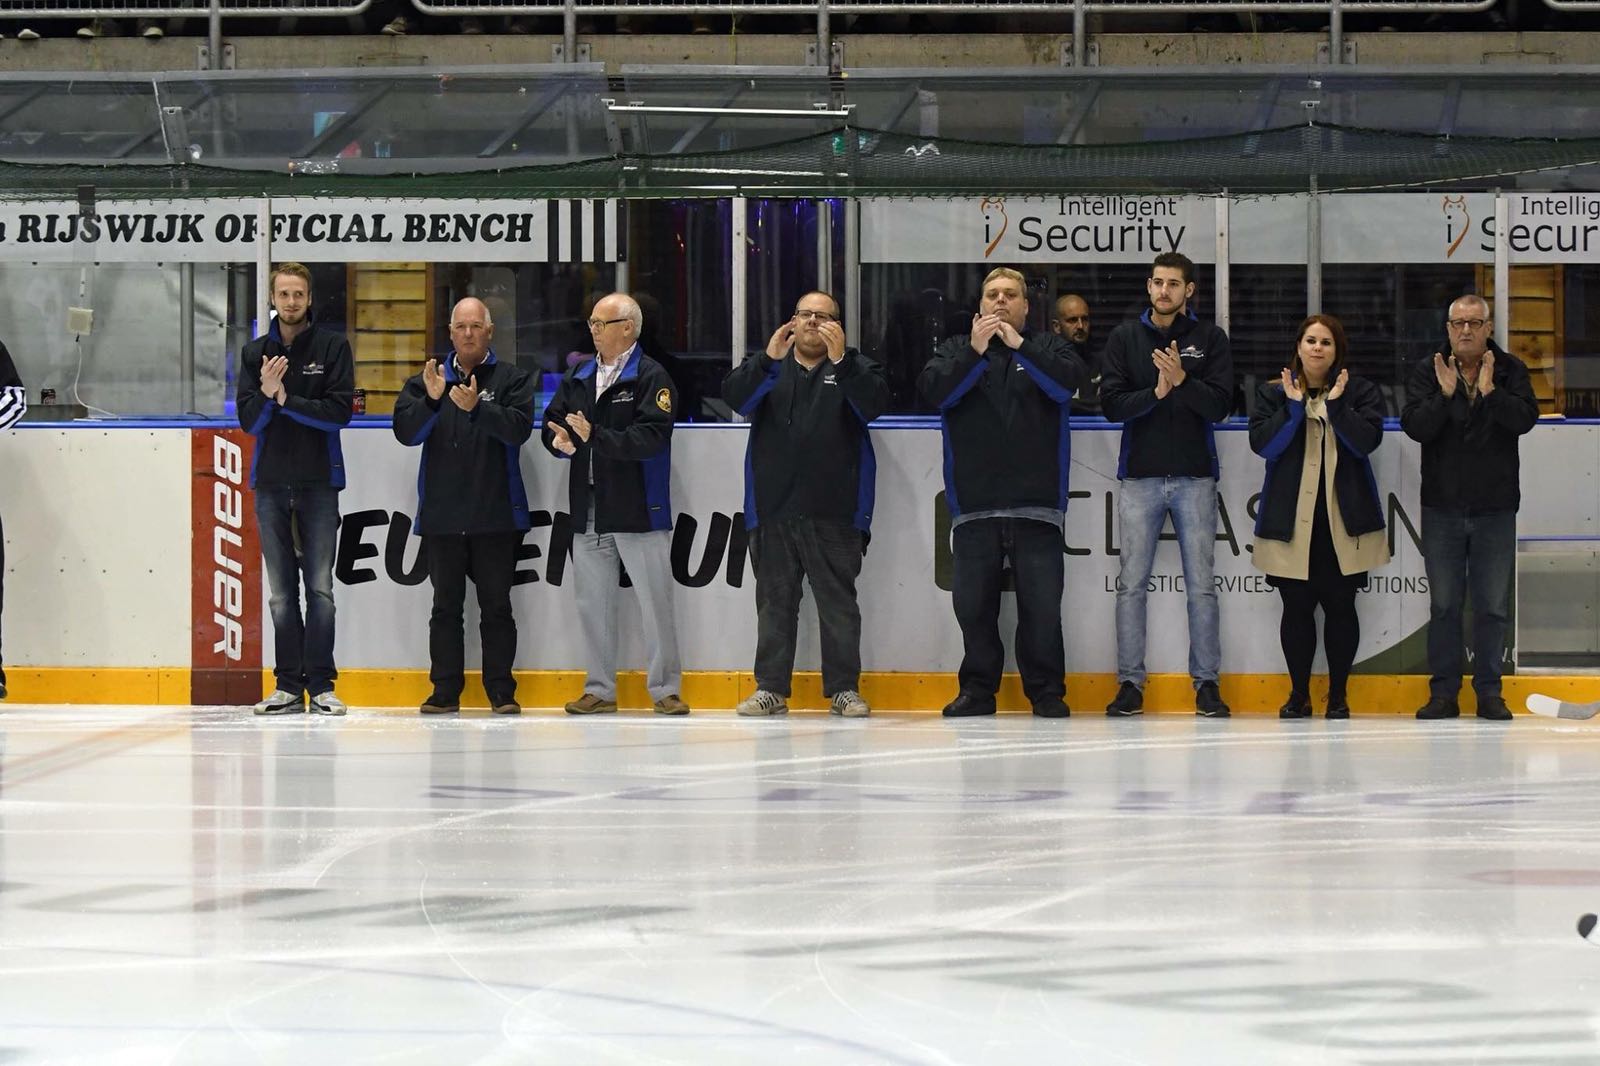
pixel 298 444
pixel 1007 439
pixel 1172 436
pixel 1469 449
pixel 809 454
pixel 1278 434
pixel 470 477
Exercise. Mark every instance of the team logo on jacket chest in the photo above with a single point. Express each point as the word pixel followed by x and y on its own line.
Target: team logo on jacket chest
pixel 1192 352
pixel 312 368
pixel 622 396
pixel 485 394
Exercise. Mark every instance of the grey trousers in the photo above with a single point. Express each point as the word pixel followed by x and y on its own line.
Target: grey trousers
pixel 648 557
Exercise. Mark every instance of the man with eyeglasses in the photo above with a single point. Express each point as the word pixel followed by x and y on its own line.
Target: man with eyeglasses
pixel 612 417
pixel 1003 393
pixel 808 497
pixel 471 415
pixel 1467 412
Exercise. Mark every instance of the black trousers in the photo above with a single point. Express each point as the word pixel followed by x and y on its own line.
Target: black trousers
pixel 828 555
pixel 1036 550
pixel 490 560
pixel 1335 593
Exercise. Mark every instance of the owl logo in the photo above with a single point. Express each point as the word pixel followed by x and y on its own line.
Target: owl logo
pixel 989 206
pixel 1457 222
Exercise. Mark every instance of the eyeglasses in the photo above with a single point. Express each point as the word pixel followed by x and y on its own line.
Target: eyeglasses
pixel 602 323
pixel 814 316
pixel 1467 323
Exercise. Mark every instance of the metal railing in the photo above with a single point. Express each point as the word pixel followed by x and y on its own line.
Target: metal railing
pixel 822 10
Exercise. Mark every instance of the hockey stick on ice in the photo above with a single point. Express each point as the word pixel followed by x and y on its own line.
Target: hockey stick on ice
pixel 1551 707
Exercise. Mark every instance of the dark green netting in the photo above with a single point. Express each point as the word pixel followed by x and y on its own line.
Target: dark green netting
pixel 852 161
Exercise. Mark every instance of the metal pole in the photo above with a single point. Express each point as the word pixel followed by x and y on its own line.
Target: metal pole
pixel 738 262
pixel 824 36
pixel 1222 282
pixel 825 245
pixel 1502 270
pixel 1314 250
pixel 1080 45
pixel 263 264
pixel 1335 32
pixel 569 32
pixel 852 269
pixel 186 337
pixel 214 32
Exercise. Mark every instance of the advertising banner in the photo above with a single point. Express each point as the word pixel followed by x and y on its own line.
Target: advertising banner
pixel 314 230
pixel 227 596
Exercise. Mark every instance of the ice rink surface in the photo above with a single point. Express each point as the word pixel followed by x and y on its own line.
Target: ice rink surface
pixel 200 886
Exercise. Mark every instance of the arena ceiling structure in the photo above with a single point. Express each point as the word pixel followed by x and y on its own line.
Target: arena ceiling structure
pixel 570 130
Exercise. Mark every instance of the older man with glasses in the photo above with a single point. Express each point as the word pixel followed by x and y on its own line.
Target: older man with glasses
pixel 808 497
pixel 612 416
pixel 1467 411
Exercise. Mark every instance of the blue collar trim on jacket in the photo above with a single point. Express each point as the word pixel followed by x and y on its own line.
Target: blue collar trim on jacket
pixel 276 335
pixel 1149 321
pixel 450 375
pixel 630 369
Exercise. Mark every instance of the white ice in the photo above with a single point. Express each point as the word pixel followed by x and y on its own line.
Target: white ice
pixel 186 886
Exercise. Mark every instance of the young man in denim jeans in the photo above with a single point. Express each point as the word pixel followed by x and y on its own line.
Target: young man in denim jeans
pixel 1168 376
pixel 296 385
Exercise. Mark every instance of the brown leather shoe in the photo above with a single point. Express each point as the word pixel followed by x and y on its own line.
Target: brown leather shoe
pixel 438 705
pixel 672 704
pixel 589 703
pixel 508 707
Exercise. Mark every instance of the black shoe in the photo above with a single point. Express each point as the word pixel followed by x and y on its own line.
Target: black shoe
pixel 505 706
pixel 437 704
pixel 1494 709
pixel 1298 705
pixel 1439 707
pixel 1052 709
pixel 1128 701
pixel 966 705
pixel 1208 701
pixel 1337 708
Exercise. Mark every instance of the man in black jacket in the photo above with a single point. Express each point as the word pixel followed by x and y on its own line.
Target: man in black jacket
pixel 1070 319
pixel 471 417
pixel 1167 376
pixel 13 405
pixel 296 384
pixel 612 416
pixel 1467 412
pixel 1003 393
pixel 808 497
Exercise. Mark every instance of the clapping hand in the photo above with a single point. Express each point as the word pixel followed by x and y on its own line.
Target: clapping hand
pixel 563 440
pixel 272 372
pixel 1291 389
pixel 1486 374
pixel 1170 363
pixel 433 379
pixel 1338 385
pixel 465 396
pixel 1447 373
pixel 580 425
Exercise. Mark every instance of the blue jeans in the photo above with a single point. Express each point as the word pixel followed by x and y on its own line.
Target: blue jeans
pixel 1467 554
pixel 1142 508
pixel 299 532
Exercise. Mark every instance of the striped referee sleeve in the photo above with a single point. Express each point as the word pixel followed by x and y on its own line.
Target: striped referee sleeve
pixel 13 405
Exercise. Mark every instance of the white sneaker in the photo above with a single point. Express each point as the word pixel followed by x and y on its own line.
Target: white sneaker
pixel 327 703
pixel 762 704
pixel 849 704
pixel 281 702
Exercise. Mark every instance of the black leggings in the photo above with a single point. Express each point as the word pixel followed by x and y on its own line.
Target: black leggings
pixel 1335 592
